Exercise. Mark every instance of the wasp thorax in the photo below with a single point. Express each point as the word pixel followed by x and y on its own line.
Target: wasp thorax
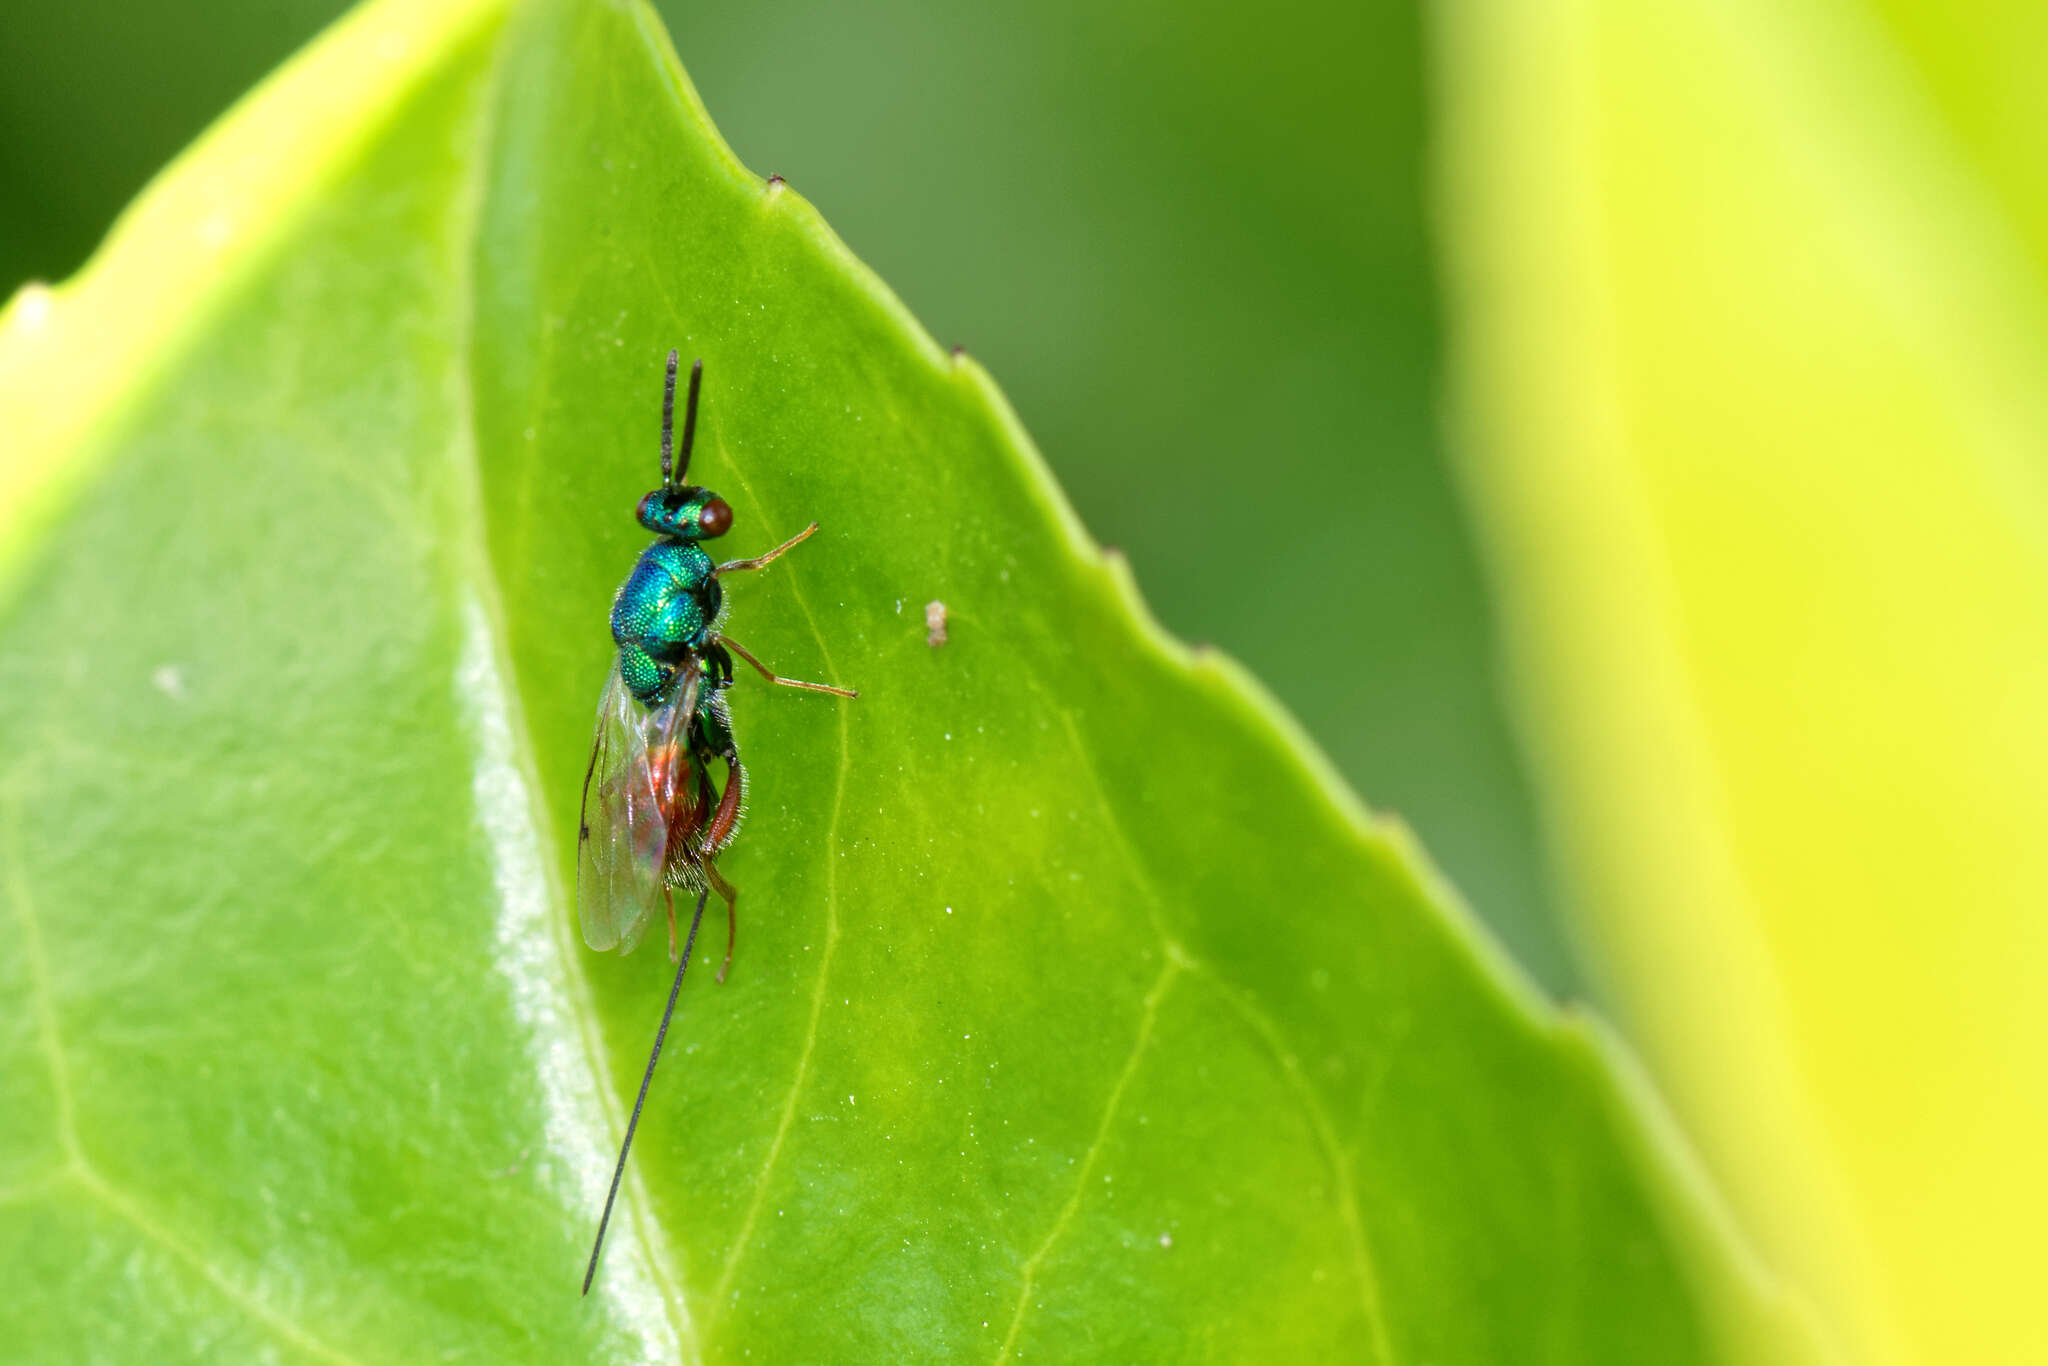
pixel 692 513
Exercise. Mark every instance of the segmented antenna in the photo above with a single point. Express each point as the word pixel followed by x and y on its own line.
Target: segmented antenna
pixel 659 1034
pixel 689 412
pixel 668 418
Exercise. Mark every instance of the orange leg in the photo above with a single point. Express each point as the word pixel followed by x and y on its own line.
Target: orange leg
pixel 732 912
pixel 717 831
pixel 762 561
pixel 729 643
pixel 719 828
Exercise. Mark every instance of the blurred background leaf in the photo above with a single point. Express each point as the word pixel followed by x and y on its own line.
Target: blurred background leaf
pixel 1191 241
pixel 1754 338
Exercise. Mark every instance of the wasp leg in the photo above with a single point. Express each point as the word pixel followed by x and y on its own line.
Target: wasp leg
pixel 761 561
pixel 732 911
pixel 729 643
pixel 716 832
pixel 717 666
pixel 719 828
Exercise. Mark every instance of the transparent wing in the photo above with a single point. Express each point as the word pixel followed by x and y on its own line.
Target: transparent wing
pixel 629 793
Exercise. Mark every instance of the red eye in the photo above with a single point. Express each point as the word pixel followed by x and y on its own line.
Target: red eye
pixel 716 518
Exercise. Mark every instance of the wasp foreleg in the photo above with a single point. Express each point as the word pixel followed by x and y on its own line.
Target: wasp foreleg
pixel 762 561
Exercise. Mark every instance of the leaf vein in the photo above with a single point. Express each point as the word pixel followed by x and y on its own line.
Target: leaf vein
pixel 51 1042
pixel 47 1037
pixel 1175 964
pixel 136 1217
pixel 493 636
pixel 1326 1136
pixel 1319 1120
pixel 722 1292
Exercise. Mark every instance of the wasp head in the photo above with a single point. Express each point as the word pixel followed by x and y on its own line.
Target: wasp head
pixel 688 512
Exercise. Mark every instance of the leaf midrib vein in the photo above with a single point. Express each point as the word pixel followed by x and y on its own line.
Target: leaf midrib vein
pixel 466 244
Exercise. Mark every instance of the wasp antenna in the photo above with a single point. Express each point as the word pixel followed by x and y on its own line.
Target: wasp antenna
pixel 659 1035
pixel 668 420
pixel 689 412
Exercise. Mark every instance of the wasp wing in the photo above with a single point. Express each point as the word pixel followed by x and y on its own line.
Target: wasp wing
pixel 623 833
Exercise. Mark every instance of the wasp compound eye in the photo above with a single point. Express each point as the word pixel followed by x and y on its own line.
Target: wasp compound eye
pixel 715 519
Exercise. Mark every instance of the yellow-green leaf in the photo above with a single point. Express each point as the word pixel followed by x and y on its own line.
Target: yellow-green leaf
pixel 1753 338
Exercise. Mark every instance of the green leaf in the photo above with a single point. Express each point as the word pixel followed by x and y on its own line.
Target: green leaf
pixel 1221 273
pixel 1077 1011
pixel 1132 257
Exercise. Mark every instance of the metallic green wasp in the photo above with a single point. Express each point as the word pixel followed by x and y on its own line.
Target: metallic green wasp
pixel 654 814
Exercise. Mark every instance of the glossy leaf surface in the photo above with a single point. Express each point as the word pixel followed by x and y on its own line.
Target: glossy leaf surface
pixel 1077 1011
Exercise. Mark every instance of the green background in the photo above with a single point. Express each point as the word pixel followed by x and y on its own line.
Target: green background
pixel 1192 243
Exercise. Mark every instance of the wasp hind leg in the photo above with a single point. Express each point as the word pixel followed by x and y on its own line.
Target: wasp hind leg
pixel 717 831
pixel 732 912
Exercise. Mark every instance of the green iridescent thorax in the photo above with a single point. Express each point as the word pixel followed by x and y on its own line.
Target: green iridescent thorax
pixel 665 612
